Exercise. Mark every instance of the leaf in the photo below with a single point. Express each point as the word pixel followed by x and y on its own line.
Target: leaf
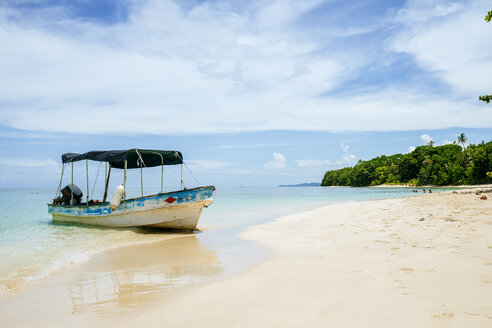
pixel 488 18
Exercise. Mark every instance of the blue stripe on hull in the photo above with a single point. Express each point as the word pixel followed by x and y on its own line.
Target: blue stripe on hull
pixel 134 205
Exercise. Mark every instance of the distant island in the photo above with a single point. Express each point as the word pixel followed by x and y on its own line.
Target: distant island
pixel 311 184
pixel 426 165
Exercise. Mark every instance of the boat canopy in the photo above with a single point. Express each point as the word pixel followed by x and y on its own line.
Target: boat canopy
pixel 134 157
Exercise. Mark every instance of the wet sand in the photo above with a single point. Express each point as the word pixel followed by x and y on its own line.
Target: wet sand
pixel 413 262
pixel 116 281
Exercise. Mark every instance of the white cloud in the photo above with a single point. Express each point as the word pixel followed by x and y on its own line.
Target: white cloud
pixel 240 146
pixel 215 68
pixel 425 138
pixel 28 171
pixel 421 10
pixel 29 163
pixel 449 40
pixel 208 164
pixel 278 162
pixel 313 162
pixel 347 160
pixel 205 70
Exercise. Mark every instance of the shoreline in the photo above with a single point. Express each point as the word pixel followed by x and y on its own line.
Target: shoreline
pixel 481 186
pixel 67 262
pixel 374 258
pixel 61 261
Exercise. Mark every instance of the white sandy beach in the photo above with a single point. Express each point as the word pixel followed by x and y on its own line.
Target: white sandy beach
pixel 359 264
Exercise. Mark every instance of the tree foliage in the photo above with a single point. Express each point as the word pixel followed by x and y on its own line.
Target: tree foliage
pixel 426 165
pixel 488 17
pixel 487 98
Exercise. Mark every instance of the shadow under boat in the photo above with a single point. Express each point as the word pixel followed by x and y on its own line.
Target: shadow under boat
pixel 133 276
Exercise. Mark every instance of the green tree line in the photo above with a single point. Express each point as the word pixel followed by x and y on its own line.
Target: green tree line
pixel 426 165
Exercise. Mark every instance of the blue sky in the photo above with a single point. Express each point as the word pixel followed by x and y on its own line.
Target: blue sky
pixel 252 93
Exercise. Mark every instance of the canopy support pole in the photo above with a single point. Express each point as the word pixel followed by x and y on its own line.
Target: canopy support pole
pixel 181 176
pixel 124 181
pixel 87 180
pixel 162 172
pixel 141 178
pixel 106 184
pixel 61 180
pixel 71 188
pixel 105 172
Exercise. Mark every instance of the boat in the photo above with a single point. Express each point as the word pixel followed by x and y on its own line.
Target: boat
pixel 179 209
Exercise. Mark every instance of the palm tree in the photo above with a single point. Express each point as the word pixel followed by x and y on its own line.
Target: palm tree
pixel 462 139
pixel 432 143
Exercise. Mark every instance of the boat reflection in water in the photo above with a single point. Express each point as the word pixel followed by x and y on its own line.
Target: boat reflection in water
pixel 129 277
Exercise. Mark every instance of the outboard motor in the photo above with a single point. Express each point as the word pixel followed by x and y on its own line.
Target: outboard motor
pixel 67 192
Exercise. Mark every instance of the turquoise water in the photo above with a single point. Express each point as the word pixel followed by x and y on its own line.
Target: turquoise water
pixel 32 247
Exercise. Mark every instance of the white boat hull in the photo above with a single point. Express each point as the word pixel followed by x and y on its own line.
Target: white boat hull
pixel 183 217
pixel 154 211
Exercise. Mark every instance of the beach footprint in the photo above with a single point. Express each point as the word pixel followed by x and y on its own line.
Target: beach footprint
pixel 442 319
pixel 444 315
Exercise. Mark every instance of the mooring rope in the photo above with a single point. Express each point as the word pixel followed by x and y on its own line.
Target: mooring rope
pixel 61 179
pixel 94 185
pixel 192 175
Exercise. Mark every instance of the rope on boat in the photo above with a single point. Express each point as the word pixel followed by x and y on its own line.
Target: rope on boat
pixel 192 175
pixel 140 160
pixel 94 185
pixel 61 178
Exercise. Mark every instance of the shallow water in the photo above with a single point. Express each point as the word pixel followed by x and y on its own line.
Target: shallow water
pixel 32 247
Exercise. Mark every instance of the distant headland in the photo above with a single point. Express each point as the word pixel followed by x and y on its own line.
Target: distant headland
pixel 310 184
